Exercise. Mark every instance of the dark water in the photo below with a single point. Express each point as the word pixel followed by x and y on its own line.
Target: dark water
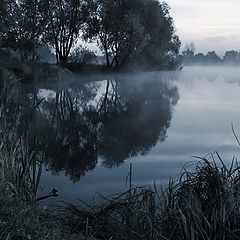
pixel 94 129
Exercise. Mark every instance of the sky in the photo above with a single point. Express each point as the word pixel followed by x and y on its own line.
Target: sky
pixel 210 24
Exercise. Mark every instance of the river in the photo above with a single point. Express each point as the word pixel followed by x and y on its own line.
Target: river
pixel 95 126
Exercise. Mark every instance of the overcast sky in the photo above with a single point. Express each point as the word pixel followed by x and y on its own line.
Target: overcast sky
pixel 210 24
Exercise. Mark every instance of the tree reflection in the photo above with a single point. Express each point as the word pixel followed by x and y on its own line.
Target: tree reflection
pixel 137 117
pixel 114 119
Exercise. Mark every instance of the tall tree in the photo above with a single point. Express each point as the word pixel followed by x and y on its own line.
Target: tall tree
pixel 231 57
pixel 212 57
pixel 64 17
pixel 9 19
pixel 31 27
pixel 22 25
pixel 132 31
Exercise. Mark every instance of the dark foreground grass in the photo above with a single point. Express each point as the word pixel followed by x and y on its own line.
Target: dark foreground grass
pixel 201 204
pixel 24 221
pixel 19 220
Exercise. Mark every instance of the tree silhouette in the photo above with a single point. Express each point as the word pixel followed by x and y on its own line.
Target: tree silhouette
pixel 132 33
pixel 64 25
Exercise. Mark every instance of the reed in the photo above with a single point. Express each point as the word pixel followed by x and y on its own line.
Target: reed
pixel 20 165
pixel 200 204
pixel 203 204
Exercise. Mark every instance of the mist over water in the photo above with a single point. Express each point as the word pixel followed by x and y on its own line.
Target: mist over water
pixel 96 126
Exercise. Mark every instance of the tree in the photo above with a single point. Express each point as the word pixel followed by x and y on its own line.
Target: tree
pixel 212 57
pixel 132 32
pixel 188 53
pixel 23 24
pixel 9 17
pixel 160 45
pixel 31 27
pixel 64 23
pixel 5 16
pixel 231 57
pixel 82 55
pixel 189 49
pixel 199 58
pixel 107 23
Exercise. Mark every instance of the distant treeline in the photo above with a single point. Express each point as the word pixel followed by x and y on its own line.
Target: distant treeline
pixel 189 57
pixel 130 33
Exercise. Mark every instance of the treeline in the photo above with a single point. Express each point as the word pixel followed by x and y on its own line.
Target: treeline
pixel 189 57
pixel 130 33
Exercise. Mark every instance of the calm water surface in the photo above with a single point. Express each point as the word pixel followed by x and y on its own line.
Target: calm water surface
pixel 157 121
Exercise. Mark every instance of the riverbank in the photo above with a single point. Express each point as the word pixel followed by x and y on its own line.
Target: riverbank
pixel 12 66
pixel 200 204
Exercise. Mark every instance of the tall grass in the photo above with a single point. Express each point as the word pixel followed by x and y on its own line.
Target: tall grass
pixel 20 173
pixel 201 204
pixel 204 204
pixel 20 165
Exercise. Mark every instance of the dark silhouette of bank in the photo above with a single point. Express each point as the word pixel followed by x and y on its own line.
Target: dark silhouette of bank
pixel 132 35
pixel 190 57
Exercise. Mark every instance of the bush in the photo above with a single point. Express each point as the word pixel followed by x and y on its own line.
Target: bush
pixel 82 55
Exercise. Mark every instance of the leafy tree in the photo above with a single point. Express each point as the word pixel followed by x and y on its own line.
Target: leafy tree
pixel 82 55
pixel 107 23
pixel 212 57
pixel 188 53
pixel 199 58
pixel 64 19
pixel 4 17
pixel 31 27
pixel 159 46
pixel 231 57
pixel 9 17
pixel 132 32
pixel 23 24
pixel 189 49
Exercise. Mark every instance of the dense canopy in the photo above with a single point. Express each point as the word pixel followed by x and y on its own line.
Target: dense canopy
pixel 130 33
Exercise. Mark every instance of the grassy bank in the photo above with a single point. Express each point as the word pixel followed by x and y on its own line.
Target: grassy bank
pixel 200 204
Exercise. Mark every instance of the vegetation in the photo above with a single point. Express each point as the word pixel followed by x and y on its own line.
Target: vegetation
pixel 133 32
pixel 190 57
pixel 64 26
pixel 200 204
pixel 128 32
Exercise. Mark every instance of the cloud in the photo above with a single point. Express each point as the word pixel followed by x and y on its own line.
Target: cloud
pixel 211 25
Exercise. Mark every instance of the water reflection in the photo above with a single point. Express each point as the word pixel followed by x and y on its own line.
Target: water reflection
pixel 136 115
pixel 112 119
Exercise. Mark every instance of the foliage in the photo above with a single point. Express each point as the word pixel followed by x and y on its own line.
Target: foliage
pixel 231 57
pixel 64 23
pixel 132 32
pixel 24 34
pixel 129 32
pixel 82 55
pixel 189 57
pixel 20 165
pixel 19 220
pixel 201 204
